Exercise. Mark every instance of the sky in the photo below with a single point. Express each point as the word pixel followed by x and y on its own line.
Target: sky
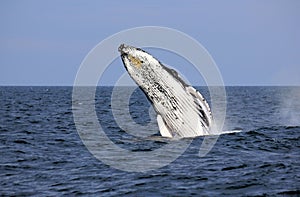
pixel 252 42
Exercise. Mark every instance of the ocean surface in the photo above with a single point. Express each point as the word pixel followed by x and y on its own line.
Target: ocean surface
pixel 42 154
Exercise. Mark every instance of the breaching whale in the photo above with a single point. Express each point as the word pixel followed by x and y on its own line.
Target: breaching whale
pixel 181 110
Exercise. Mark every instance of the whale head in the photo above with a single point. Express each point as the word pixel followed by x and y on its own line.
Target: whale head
pixel 138 63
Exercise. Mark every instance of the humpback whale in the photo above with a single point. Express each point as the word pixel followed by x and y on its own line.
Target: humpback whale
pixel 181 110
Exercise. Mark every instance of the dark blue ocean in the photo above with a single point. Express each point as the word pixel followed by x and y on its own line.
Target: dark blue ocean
pixel 41 153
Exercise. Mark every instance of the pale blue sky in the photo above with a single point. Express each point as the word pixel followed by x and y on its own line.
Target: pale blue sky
pixel 252 42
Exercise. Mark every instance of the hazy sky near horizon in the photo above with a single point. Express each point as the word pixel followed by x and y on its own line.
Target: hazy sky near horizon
pixel 252 42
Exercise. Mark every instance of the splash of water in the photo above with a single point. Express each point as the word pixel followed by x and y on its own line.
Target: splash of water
pixel 289 107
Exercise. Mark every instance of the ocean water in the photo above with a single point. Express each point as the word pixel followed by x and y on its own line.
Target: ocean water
pixel 43 155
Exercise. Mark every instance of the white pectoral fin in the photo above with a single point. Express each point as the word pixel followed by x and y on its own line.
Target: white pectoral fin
pixel 164 131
